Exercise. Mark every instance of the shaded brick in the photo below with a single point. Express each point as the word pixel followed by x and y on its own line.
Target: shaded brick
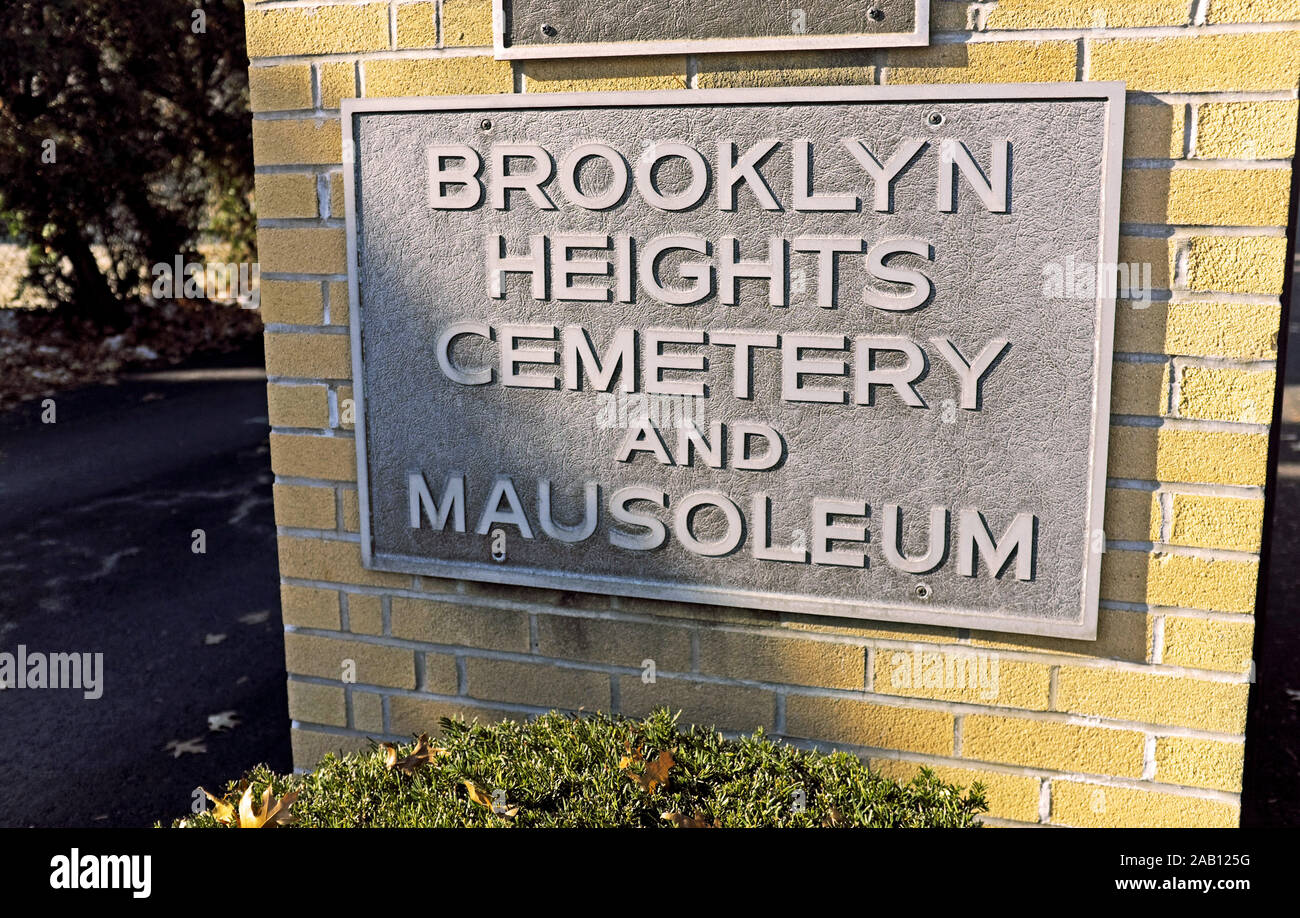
pixel 617 642
pixel 279 88
pixel 317 704
pixel 821 68
pixel 537 684
pixel 440 676
pixel 412 716
pixel 365 613
pixel 309 607
pixel 295 354
pixel 297 406
pixel 738 708
pixel 297 142
pixel 296 456
pixel 304 507
pixel 292 302
pixel 310 746
pixel 375 664
pixel 435 622
pixel 742 655
pixel 335 561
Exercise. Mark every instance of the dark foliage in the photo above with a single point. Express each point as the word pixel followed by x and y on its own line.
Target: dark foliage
pixel 123 134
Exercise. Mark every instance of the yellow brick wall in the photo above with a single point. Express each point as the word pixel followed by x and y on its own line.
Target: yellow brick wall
pixel 1142 727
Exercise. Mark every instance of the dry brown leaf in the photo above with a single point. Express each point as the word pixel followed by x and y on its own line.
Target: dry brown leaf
pixel 682 821
pixel 631 758
pixel 271 813
pixel 834 818
pixel 655 774
pixel 422 754
pixel 222 811
pixel 478 795
pixel 486 800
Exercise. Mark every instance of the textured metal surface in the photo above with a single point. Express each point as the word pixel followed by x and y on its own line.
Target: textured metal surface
pixel 1035 444
pixel 555 28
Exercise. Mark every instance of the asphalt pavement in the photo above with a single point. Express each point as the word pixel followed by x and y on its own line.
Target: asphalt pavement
pixel 98 513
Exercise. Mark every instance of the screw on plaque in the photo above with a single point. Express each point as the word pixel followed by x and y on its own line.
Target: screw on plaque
pixel 934 119
pixel 486 124
pixel 549 30
pixel 923 591
pixel 875 14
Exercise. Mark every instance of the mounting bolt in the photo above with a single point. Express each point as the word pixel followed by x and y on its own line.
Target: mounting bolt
pixel 875 14
pixel 923 591
pixel 485 124
pixel 934 119
pixel 549 30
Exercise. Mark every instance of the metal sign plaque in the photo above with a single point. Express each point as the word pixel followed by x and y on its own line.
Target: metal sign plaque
pixel 830 351
pixel 558 28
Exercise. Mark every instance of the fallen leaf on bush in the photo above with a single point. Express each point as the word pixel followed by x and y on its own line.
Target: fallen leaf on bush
pixel 422 754
pixel 222 811
pixel 655 774
pixel 631 758
pixel 682 821
pixel 478 795
pixel 834 818
pixel 271 813
pixel 486 800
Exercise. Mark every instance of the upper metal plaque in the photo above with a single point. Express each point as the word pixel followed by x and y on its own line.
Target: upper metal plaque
pixel 560 28
pixel 834 351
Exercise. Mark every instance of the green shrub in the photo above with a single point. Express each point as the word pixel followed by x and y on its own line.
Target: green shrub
pixel 567 771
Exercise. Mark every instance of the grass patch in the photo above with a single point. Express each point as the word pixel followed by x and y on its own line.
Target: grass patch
pixel 568 771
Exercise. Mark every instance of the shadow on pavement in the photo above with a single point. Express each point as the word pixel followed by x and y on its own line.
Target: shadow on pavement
pixel 97 518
